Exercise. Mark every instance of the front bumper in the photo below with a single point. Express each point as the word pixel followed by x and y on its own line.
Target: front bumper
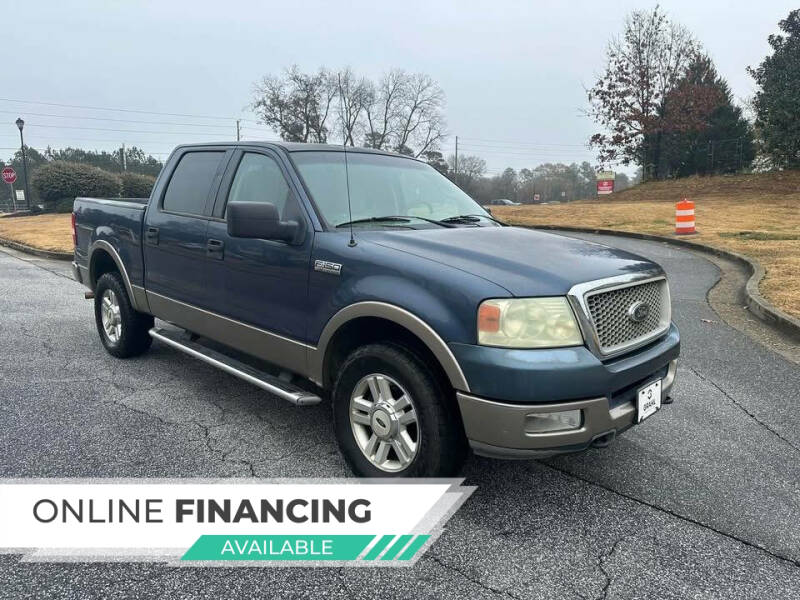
pixel 498 429
pixel 507 386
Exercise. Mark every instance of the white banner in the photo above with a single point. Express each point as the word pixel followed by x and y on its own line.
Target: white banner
pixel 222 520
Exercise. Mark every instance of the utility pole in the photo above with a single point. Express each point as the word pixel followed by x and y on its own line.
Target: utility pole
pixel 238 131
pixel 456 163
pixel 20 125
pixel 124 158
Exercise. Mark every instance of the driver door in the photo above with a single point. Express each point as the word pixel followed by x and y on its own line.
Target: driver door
pixel 261 283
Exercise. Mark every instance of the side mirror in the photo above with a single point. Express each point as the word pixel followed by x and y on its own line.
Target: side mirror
pixel 487 209
pixel 261 220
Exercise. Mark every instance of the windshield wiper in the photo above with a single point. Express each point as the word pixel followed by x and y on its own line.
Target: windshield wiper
pixel 469 219
pixel 393 219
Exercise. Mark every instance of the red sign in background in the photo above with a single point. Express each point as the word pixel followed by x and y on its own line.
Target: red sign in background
pixel 9 175
pixel 605 186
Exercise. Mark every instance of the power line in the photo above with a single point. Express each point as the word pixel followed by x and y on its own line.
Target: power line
pixel 531 155
pixel 217 133
pixel 525 148
pixel 520 143
pixel 15 112
pixel 127 110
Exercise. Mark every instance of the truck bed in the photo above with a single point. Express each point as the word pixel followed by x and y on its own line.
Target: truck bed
pixel 116 221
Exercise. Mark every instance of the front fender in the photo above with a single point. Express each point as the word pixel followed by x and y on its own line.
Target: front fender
pixel 399 316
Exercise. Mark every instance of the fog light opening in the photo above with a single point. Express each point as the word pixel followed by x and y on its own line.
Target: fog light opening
pixel 565 420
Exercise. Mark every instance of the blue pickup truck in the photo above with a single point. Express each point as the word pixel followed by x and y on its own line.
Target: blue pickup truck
pixel 315 271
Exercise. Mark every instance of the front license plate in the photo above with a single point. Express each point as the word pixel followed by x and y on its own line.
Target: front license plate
pixel 649 400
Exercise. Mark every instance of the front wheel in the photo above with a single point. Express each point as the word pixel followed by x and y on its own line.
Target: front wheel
pixel 123 331
pixel 394 418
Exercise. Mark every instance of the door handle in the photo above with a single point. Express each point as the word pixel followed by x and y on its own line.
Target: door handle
pixel 151 236
pixel 215 249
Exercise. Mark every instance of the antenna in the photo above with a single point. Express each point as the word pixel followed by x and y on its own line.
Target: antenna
pixel 349 207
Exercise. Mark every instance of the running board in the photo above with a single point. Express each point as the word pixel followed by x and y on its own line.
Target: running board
pixel 265 381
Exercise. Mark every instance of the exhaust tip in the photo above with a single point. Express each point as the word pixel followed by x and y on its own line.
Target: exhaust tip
pixel 602 441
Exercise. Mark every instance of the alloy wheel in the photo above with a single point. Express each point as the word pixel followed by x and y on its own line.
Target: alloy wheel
pixel 384 422
pixel 110 316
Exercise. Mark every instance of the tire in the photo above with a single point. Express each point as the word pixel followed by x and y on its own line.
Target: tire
pixel 127 334
pixel 432 441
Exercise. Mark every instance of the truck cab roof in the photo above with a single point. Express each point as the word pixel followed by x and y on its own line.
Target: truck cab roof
pixel 297 147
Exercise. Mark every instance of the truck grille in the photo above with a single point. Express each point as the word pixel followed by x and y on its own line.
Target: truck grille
pixel 609 312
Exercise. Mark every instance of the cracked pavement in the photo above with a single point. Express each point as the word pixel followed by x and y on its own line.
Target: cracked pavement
pixel 702 500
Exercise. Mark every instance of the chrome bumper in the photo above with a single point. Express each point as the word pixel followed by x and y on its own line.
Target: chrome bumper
pixel 498 430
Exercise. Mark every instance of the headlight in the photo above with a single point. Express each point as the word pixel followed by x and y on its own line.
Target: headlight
pixel 528 323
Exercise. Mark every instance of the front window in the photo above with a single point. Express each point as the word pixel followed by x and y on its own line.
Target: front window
pixel 382 186
pixel 259 179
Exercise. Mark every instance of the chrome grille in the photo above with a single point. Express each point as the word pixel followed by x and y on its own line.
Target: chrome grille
pixel 609 313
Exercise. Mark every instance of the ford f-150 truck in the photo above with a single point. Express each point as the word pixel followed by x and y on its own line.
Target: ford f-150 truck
pixel 368 277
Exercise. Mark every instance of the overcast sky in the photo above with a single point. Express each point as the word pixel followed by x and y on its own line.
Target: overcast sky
pixel 514 72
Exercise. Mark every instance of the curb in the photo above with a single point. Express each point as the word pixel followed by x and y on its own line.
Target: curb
pixel 756 303
pixel 35 251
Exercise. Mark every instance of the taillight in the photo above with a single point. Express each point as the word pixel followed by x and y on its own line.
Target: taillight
pixel 74 232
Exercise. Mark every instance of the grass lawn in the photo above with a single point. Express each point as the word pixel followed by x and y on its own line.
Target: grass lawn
pixel 46 232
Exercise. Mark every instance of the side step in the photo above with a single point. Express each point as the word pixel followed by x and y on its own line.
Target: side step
pixel 265 381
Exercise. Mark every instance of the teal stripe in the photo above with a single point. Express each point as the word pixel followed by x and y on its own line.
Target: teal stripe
pixel 396 547
pixel 409 552
pixel 378 547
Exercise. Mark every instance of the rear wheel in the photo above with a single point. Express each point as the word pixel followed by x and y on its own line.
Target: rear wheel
pixel 394 418
pixel 123 330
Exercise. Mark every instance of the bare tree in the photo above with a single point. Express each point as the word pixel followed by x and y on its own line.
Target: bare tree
pixel 382 109
pixel 400 112
pixel 354 95
pixel 469 167
pixel 296 104
pixel 630 99
pixel 421 121
pixel 470 170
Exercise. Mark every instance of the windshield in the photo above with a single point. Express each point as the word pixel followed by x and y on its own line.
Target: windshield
pixel 381 186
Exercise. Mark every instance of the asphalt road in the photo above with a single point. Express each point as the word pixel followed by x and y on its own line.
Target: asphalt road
pixel 701 501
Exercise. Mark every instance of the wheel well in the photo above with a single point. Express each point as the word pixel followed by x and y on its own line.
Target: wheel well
pixel 369 330
pixel 102 263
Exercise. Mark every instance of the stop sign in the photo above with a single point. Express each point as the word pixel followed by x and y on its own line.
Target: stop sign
pixel 9 175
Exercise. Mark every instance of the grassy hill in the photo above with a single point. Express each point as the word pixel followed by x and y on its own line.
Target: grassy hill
pixel 756 214
pixel 786 183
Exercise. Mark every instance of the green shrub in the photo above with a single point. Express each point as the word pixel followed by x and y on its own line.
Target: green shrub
pixel 64 205
pixel 135 185
pixel 60 180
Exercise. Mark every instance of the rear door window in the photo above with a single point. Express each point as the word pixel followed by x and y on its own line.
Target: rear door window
pixel 190 184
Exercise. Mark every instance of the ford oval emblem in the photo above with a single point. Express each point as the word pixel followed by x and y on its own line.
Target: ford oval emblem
pixel 638 311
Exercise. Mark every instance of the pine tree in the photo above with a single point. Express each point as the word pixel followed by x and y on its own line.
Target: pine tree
pixel 720 143
pixel 777 102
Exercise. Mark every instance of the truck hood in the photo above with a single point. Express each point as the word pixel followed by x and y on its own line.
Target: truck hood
pixel 523 261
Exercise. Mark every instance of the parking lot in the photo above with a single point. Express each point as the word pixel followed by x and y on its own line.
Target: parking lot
pixel 702 500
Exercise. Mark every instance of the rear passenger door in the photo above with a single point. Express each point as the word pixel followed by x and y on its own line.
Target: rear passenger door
pixel 264 283
pixel 176 225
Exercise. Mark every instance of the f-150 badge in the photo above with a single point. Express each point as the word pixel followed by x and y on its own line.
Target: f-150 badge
pixel 324 266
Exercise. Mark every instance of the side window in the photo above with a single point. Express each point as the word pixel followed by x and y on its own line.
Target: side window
pixel 259 179
pixel 191 181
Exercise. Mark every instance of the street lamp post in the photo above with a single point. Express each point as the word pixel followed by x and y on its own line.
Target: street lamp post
pixel 21 124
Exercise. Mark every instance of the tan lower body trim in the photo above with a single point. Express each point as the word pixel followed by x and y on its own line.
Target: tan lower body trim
pixel 278 350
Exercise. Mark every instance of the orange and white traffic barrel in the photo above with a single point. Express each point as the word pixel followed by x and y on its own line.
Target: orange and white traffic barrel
pixel 684 217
